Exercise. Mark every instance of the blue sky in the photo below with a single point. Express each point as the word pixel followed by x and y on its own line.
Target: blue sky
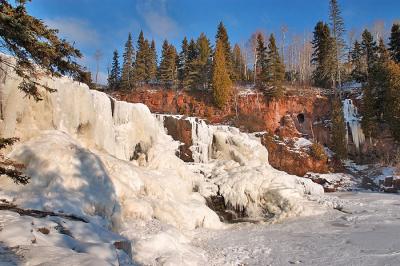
pixel 104 24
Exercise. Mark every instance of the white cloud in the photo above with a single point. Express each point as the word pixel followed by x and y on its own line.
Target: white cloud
pixel 155 15
pixel 74 30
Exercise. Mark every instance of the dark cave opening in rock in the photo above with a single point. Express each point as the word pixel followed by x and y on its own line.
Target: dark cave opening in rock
pixel 301 118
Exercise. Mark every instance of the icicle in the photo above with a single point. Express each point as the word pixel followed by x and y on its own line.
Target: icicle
pixel 353 122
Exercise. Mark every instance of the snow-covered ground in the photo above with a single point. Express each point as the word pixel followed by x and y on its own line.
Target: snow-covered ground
pixel 365 232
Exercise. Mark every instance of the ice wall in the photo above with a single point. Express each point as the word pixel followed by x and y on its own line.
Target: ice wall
pixel 116 136
pixel 353 121
pixel 119 128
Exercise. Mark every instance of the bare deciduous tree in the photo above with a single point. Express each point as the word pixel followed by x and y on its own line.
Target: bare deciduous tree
pixel 98 55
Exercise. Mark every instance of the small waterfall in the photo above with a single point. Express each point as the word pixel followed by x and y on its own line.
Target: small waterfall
pixel 202 138
pixel 353 121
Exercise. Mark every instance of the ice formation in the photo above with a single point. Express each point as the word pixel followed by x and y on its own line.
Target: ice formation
pixel 111 163
pixel 353 121
pixel 236 167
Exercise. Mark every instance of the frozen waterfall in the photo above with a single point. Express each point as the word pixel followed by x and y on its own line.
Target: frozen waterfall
pixel 353 121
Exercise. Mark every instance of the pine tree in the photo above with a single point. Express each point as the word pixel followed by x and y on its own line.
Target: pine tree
pixel 239 63
pixel 261 63
pixel 393 98
pixel 381 78
pixel 369 48
pixel 339 143
pixel 222 35
pixel 182 64
pixel 369 120
pixel 204 58
pixel 192 65
pixel 37 50
pixel 337 30
pixel 167 72
pixel 127 81
pixel 394 44
pixel 221 82
pixel 323 56
pixel 151 63
pixel 33 43
pixel 359 72
pixel 114 77
pixel 140 63
pixel 276 69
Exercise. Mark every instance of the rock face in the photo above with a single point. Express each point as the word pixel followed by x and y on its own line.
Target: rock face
pixel 250 112
pixel 293 161
pixel 289 117
pixel 180 130
pixel 283 156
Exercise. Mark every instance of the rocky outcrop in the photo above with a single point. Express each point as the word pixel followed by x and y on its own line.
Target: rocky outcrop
pixel 180 130
pixel 293 160
pixel 251 112
pixel 288 117
pixel 283 155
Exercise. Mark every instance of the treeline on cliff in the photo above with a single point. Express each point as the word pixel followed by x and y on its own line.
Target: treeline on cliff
pixel 198 65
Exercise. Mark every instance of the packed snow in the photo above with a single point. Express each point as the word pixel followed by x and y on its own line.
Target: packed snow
pixel 363 231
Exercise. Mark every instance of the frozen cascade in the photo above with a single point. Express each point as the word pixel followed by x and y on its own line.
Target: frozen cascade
pixel 202 136
pixel 354 122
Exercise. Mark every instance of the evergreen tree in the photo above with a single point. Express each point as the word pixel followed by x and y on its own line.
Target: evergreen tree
pixel 380 79
pixel 393 98
pixel 359 72
pixel 37 50
pixel 322 57
pixel 114 76
pixel 140 63
pixel 337 30
pixel 193 66
pixel 221 82
pixel 276 69
pixel 394 44
pixel 339 143
pixel 222 35
pixel 167 72
pixel 370 119
pixel 239 63
pixel 204 60
pixel 127 81
pixel 151 63
pixel 369 48
pixel 32 43
pixel 182 64
pixel 261 68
